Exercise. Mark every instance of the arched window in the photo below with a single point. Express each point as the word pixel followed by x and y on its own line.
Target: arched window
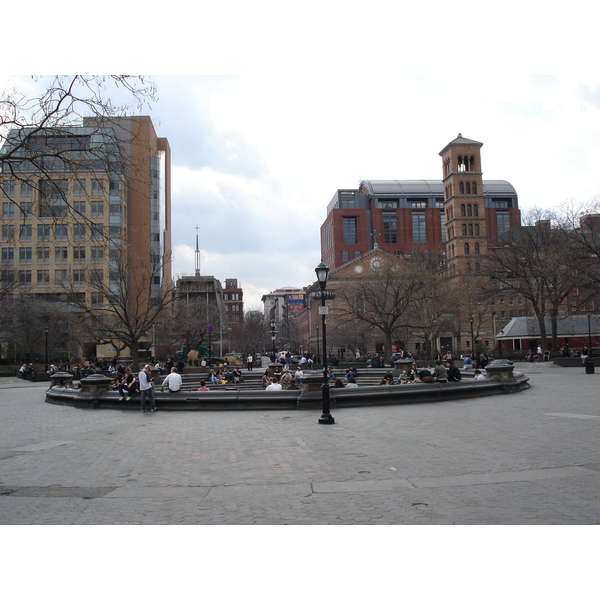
pixel 476 247
pixel 469 210
pixel 468 267
pixel 461 187
pixel 475 209
pixel 468 188
pixel 464 229
pixel 462 210
pixel 467 249
pixel 474 187
pixel 470 229
pixel 477 267
pixel 476 229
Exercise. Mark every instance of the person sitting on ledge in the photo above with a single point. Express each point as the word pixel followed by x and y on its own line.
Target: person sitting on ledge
pixel 388 378
pixel 478 374
pixel 203 387
pixel 453 372
pixel 274 386
pixel 338 383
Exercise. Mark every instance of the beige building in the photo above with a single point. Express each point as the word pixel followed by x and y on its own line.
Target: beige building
pixel 82 204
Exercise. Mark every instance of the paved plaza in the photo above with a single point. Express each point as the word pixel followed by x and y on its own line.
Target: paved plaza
pixel 527 458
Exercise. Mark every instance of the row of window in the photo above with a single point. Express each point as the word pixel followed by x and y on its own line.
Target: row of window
pixel 390 228
pixel 79 254
pixel 466 248
pixel 26 209
pixel 59 188
pixel 79 231
pixel 62 277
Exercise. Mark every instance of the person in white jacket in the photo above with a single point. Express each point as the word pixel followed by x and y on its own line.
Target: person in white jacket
pixel 172 381
pixel 145 383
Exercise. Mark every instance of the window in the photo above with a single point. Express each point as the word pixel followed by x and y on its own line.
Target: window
pixel 79 254
pixel 115 188
pixel 26 210
pixel 347 200
pixel 25 233
pixel 43 254
pixel 97 187
pixel 467 248
pixel 97 254
pixel 79 208
pixel 390 230
pixel 417 203
pixel 502 221
pixel 476 229
pixel 388 203
pixel 350 230
pixel 61 254
pixel 43 278
pixel 79 187
pixel 27 188
pixel 474 187
pixel 475 209
pixel 345 256
pixel 61 277
pixel 8 233
pixel 461 187
pixel 8 187
pixel 418 228
pixel 8 256
pixel 97 209
pixel 78 277
pixel 43 232
pixel 25 278
pixel 25 254
pixel 469 210
pixel 97 299
pixel 78 231
pixel 97 276
pixel 8 210
pixel 97 231
pixel 476 247
pixel 60 232
pixel 463 210
pixel 443 225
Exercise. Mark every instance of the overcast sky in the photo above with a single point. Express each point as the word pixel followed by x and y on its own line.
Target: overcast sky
pixel 328 93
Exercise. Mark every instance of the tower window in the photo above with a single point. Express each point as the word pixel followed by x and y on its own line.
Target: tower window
pixel 475 209
pixel 418 228
pixel 467 248
pixel 390 231
pixel 350 230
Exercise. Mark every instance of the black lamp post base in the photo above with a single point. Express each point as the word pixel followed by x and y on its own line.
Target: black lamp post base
pixel 326 420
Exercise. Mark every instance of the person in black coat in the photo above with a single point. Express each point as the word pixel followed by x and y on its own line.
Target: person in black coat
pixel 453 372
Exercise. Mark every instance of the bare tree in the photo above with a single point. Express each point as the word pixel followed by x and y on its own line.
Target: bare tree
pixel 253 334
pixel 385 300
pixel 126 302
pixel 537 262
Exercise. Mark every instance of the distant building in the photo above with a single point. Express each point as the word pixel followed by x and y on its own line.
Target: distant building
pixel 424 216
pixel 233 299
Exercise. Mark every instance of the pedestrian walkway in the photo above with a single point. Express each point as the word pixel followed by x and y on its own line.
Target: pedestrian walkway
pixel 526 458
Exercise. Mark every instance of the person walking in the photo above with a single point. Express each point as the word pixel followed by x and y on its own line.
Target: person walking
pixel 145 383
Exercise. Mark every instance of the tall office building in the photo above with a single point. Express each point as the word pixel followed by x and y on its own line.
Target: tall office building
pixel 80 202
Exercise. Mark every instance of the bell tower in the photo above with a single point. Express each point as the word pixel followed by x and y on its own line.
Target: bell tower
pixel 466 243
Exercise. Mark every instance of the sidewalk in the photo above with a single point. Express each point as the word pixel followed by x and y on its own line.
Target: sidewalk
pixel 527 458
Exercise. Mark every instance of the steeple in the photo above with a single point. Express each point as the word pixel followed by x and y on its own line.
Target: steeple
pixel 197 254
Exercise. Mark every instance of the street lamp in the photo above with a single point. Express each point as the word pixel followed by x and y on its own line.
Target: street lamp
pixel 322 272
pixel 273 339
pixel 472 339
pixel 46 330
pixel 318 350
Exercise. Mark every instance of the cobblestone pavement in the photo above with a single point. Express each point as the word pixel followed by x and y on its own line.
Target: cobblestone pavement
pixel 527 458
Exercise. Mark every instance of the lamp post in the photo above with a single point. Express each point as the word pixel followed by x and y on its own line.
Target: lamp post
pixel 472 339
pixel 318 349
pixel 322 272
pixel 273 339
pixel 46 330
pixel 589 316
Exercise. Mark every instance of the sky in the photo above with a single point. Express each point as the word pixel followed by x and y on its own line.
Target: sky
pixel 268 111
